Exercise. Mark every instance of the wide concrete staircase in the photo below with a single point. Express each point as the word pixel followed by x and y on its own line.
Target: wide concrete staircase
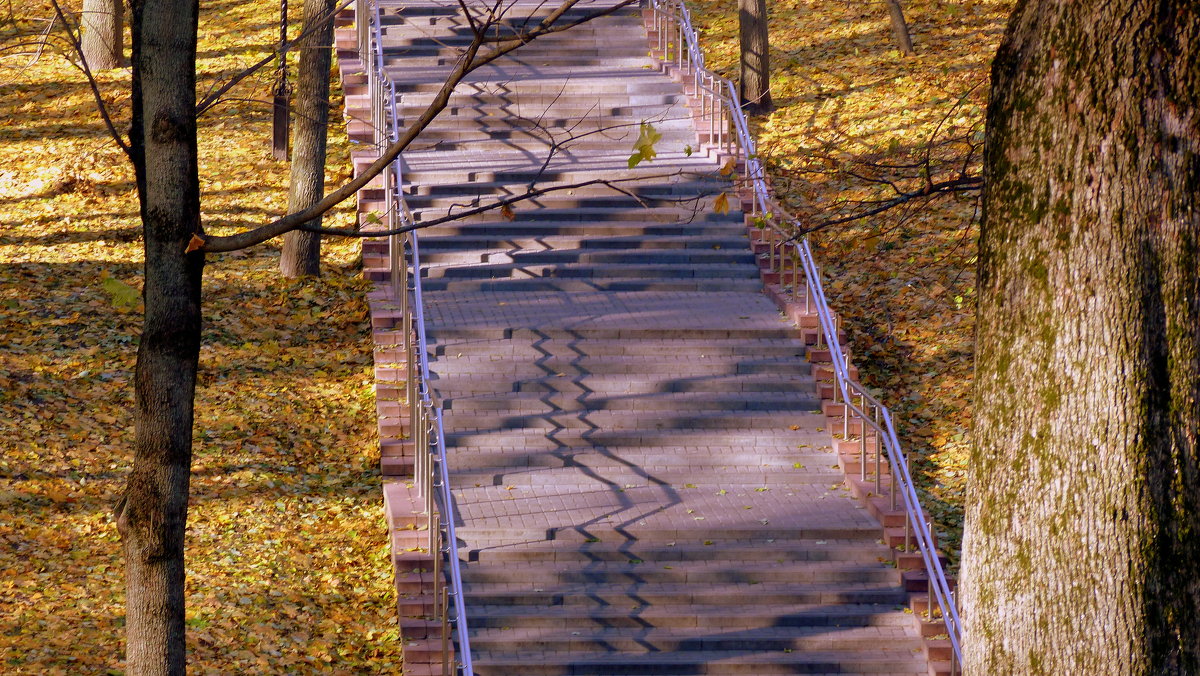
pixel 641 477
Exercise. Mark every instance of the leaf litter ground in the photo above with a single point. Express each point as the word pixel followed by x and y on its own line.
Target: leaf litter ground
pixel 287 554
pixel 903 281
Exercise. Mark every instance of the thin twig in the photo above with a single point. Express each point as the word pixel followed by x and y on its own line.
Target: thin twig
pixel 469 62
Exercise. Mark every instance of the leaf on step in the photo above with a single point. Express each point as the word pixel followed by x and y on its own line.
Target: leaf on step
pixel 687 151
pixel 721 203
pixel 643 148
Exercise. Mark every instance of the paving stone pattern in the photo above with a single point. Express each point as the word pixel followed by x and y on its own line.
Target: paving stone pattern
pixel 641 477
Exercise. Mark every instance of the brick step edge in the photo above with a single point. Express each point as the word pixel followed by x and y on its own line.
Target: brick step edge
pixel 408 527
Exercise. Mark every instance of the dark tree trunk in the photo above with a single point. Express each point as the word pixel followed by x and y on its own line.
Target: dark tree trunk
pixel 1082 548
pixel 754 83
pixel 302 250
pixel 153 512
pixel 101 27
pixel 900 32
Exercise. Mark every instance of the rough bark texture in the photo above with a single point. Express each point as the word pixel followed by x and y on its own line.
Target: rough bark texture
pixel 302 250
pixel 900 32
pixel 153 512
pixel 1082 549
pixel 755 79
pixel 102 24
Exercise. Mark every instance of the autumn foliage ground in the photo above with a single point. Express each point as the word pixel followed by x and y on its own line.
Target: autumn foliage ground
pixel 287 551
pixel 287 554
pixel 848 108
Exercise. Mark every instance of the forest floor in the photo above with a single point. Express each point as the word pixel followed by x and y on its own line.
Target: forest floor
pixel 287 554
pixel 286 541
pixel 850 113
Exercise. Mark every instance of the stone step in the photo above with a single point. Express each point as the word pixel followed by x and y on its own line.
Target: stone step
pixel 488 535
pixel 660 552
pixel 693 349
pixel 744 270
pixel 576 228
pixel 609 199
pixel 591 215
pixel 536 402
pixel 435 243
pixel 520 168
pixel 647 460
pixel 691 572
pixel 538 112
pixel 553 366
pixel 569 137
pixel 410 51
pixel 665 628
pixel 698 662
pixel 451 58
pixel 626 472
pixel 531 440
pixel 643 420
pixel 623 385
pixel 562 257
pixel 533 285
pixel 586 596
pixel 651 188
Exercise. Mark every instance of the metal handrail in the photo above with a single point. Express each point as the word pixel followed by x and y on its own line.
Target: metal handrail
pixel 719 103
pixel 426 427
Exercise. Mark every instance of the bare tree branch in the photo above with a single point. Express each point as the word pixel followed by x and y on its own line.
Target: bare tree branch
pixel 469 62
pixel 955 185
pixel 498 204
pixel 214 95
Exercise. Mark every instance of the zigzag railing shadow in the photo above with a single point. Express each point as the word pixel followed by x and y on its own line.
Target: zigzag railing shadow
pixel 679 47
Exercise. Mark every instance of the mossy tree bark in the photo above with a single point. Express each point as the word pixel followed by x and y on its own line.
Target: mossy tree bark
pixel 302 250
pixel 1082 545
pixel 754 81
pixel 100 42
pixel 153 511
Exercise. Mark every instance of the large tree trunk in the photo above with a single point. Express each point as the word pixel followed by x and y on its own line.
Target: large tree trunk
pixel 153 512
pixel 103 21
pixel 754 82
pixel 302 250
pixel 1082 548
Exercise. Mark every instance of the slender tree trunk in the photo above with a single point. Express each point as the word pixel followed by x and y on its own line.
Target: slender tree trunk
pixel 754 82
pixel 302 250
pixel 153 513
pixel 102 24
pixel 900 32
pixel 1082 545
